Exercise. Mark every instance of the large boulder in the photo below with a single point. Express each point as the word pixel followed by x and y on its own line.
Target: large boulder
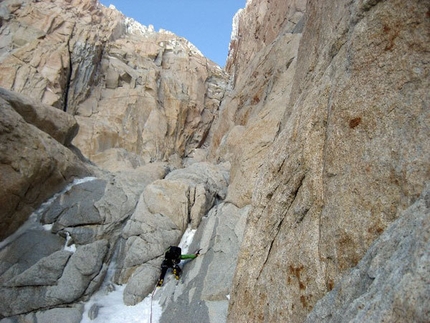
pixel 141 283
pixel 97 208
pixel 70 277
pixel 59 125
pixel 84 265
pixel 33 165
pixel 46 271
pixel 203 184
pixel 76 206
pixel 32 249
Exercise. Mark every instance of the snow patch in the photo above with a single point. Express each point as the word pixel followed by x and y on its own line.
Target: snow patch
pixel 187 239
pixel 47 227
pixel 71 247
pixel 134 27
pixel 113 309
pixel 193 49
pixel 235 25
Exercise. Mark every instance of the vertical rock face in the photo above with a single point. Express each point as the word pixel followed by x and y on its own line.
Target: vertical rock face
pixel 38 39
pixel 352 153
pixel 250 115
pixel 257 26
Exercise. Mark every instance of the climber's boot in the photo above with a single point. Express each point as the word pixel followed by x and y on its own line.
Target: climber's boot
pixel 177 272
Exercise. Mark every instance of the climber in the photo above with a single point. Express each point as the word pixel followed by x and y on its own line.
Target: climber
pixel 172 257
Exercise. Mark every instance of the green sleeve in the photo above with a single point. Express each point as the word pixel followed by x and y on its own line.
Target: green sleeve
pixel 185 256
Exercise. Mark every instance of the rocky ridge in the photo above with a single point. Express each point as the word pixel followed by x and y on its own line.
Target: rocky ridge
pixel 303 167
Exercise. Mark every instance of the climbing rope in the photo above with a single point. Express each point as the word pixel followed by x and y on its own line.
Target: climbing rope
pixel 152 296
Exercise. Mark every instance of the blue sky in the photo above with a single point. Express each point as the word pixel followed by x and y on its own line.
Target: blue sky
pixel 205 23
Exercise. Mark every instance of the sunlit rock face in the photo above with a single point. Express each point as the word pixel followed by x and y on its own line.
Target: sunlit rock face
pixel 138 95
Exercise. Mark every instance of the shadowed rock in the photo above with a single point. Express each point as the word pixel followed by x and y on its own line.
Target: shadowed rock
pixel 392 275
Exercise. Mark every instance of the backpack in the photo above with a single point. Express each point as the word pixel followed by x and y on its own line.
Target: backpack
pixel 173 253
